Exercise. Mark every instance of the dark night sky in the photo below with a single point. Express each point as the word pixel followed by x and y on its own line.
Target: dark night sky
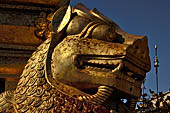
pixel 142 17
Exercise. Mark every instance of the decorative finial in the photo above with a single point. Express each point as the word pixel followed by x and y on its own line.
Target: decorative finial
pixel 156 62
pixel 156 65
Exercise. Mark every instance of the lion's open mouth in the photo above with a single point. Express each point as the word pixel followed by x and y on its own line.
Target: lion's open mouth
pixel 104 64
pixel 99 63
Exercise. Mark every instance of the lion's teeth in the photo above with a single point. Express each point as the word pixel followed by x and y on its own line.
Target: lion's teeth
pixel 110 62
pixel 113 71
pixel 95 68
pixel 89 61
pixel 94 61
pixel 120 66
pixel 103 69
pixel 107 70
pixel 102 63
pixel 93 65
pixel 107 62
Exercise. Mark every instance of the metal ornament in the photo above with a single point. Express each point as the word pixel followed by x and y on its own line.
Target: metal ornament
pixel 61 18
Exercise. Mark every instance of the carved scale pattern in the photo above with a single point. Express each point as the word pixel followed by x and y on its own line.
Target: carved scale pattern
pixel 5 102
pixel 34 95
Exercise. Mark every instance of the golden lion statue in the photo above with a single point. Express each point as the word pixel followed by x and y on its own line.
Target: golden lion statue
pixel 86 64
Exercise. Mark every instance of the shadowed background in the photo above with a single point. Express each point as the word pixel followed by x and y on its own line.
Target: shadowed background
pixel 142 17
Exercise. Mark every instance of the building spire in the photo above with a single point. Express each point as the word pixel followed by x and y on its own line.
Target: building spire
pixel 156 65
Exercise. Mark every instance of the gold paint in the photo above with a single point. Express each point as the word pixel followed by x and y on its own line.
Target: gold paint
pixel 100 56
pixel 17 70
pixel 21 35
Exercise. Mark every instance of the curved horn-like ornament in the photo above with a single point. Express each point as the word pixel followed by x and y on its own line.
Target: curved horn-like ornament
pixel 100 97
pixel 60 19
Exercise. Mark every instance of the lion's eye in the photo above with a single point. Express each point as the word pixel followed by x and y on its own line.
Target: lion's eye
pixel 111 36
pixel 104 32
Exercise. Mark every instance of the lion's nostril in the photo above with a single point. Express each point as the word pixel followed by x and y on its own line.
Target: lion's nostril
pixel 140 52
pixel 136 47
pixel 75 61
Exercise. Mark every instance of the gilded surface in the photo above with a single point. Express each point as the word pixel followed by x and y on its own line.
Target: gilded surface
pixel 86 64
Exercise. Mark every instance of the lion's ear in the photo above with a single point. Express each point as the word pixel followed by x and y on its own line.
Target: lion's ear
pixel 59 21
pixel 61 18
